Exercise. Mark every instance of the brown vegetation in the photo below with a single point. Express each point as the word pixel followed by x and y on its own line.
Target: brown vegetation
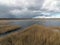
pixel 34 35
pixel 6 28
pixel 4 22
pixel 56 28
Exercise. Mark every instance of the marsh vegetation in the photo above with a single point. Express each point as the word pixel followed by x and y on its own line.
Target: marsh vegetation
pixel 33 35
pixel 7 28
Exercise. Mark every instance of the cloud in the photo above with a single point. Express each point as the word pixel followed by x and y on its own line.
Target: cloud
pixel 21 4
pixel 51 5
pixel 56 16
pixel 31 8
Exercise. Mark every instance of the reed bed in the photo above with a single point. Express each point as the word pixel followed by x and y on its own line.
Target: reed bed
pixel 33 35
pixel 6 28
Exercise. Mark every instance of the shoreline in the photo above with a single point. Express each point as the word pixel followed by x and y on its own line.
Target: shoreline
pixel 29 18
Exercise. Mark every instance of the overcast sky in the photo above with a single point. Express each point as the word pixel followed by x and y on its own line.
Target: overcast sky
pixel 23 7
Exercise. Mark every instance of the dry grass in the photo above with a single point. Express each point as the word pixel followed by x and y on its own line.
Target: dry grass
pixel 4 22
pixel 56 28
pixel 34 35
pixel 6 28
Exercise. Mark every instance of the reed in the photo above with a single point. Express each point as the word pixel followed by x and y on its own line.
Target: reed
pixel 6 28
pixel 33 35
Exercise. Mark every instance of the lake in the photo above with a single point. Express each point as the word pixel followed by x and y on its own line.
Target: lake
pixel 27 23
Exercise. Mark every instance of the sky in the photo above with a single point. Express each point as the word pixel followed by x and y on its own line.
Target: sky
pixel 29 8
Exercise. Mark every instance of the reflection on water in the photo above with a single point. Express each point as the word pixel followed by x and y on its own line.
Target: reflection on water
pixel 52 23
pixel 26 23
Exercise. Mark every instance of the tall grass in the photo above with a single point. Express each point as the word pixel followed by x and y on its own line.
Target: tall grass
pixel 34 35
pixel 6 28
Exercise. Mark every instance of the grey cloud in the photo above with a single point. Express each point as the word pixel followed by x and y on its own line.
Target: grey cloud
pixel 37 6
pixel 5 10
pixel 33 8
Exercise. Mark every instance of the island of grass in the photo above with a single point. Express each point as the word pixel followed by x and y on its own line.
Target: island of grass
pixel 7 28
pixel 33 35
